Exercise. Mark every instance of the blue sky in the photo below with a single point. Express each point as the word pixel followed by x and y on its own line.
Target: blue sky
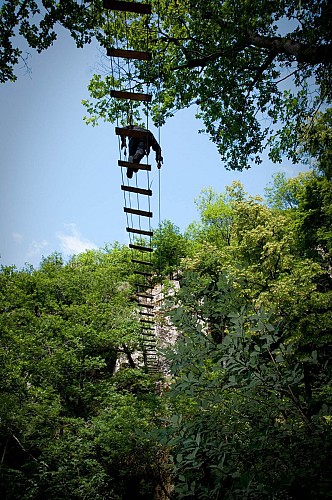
pixel 59 180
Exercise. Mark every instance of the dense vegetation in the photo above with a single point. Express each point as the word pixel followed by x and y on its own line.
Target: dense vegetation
pixel 70 426
pixel 248 413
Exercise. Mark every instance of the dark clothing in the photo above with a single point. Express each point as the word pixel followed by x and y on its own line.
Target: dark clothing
pixel 139 147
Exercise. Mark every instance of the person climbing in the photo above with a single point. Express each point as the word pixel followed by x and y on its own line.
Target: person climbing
pixel 139 147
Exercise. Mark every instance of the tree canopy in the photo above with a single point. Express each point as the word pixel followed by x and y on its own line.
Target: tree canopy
pixel 75 414
pixel 257 72
pixel 251 394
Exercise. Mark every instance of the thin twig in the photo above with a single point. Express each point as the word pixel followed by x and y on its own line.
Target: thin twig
pixel 4 451
pixel 26 451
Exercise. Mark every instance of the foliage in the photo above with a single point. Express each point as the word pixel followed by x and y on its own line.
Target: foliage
pixel 251 392
pixel 308 199
pixel 316 142
pixel 258 71
pixel 34 22
pixel 284 193
pixel 170 246
pixel 69 426
pixel 243 423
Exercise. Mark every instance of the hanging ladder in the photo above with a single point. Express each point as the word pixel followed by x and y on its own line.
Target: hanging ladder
pixel 136 215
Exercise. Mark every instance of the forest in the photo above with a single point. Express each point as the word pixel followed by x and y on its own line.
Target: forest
pixel 245 407
pixel 241 406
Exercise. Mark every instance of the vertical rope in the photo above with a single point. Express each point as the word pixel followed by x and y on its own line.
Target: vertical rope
pixel 159 127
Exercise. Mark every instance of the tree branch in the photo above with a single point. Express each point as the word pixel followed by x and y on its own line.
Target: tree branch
pixel 129 357
pixel 271 56
pixel 28 453
pixel 311 54
pixel 203 61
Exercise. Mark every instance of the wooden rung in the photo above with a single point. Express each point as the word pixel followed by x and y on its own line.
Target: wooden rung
pixel 138 8
pixel 131 132
pixel 145 296
pixel 136 166
pixel 131 96
pixel 130 54
pixel 139 231
pixel 138 212
pixel 147 321
pixel 146 314
pixel 143 273
pixel 131 189
pixel 148 306
pixel 146 262
pixel 144 286
pixel 140 248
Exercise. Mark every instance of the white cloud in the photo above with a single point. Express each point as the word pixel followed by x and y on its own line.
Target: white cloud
pixel 72 241
pixel 18 237
pixel 36 248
